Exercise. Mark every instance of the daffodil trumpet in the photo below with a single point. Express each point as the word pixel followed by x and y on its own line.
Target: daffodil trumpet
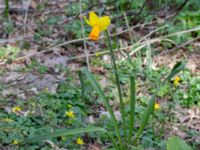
pixel 98 24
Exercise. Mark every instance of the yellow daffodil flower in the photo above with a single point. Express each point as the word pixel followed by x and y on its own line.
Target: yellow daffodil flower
pixel 70 114
pixel 79 141
pixel 156 106
pixel 15 142
pixel 16 109
pixel 98 24
pixel 177 81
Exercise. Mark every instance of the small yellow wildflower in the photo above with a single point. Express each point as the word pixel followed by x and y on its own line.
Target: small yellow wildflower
pixel 70 114
pixel 156 106
pixel 79 141
pixel 15 142
pixel 15 109
pixel 177 81
pixel 98 24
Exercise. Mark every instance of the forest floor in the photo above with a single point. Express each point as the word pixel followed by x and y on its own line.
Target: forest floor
pixel 39 60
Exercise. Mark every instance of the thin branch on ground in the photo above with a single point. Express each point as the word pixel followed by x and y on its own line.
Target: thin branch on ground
pixel 180 46
pixel 86 52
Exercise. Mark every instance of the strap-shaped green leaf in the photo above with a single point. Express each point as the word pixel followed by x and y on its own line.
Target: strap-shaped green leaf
pixel 64 132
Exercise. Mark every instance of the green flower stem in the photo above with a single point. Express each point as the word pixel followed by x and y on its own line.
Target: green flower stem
pixel 132 107
pixel 118 84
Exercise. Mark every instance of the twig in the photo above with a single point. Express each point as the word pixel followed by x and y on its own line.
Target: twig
pixel 180 46
pixel 150 33
pixel 83 34
pixel 26 15
pixel 3 41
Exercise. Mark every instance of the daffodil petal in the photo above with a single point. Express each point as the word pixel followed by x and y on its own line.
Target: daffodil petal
pixel 87 21
pixel 104 22
pixel 94 19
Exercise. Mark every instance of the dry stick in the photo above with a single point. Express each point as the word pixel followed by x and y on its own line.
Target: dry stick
pixel 3 41
pixel 180 46
pixel 150 33
pixel 26 15
pixel 83 34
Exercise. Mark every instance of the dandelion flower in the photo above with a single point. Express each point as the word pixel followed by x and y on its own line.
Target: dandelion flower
pixel 156 106
pixel 16 109
pixel 177 81
pixel 70 114
pixel 79 141
pixel 98 24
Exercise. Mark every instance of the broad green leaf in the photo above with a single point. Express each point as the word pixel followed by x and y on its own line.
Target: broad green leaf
pixel 175 143
pixel 64 132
